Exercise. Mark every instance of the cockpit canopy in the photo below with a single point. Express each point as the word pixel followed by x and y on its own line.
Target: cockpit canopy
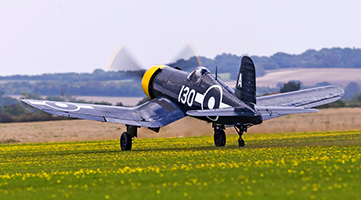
pixel 197 74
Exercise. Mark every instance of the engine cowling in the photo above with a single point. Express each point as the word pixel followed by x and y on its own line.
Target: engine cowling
pixel 148 80
pixel 161 80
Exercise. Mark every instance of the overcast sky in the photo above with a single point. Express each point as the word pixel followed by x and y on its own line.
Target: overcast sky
pixel 79 36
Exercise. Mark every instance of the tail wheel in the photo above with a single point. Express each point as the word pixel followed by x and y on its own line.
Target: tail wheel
pixel 241 142
pixel 125 142
pixel 219 137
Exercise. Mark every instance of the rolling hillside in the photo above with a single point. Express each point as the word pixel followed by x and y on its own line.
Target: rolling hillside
pixel 308 76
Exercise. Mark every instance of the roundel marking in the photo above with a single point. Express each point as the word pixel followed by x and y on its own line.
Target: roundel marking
pixel 62 106
pixel 211 102
pixel 212 99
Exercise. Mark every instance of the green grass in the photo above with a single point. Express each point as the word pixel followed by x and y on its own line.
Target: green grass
pixel 313 165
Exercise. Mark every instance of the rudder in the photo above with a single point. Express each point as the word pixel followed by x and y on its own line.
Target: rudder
pixel 246 81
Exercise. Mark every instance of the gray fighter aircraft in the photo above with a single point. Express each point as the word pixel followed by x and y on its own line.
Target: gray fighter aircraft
pixel 175 94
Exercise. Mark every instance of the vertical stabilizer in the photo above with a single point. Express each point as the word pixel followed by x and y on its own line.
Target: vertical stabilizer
pixel 246 81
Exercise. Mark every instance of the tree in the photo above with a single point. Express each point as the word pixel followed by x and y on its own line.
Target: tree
pixel 351 90
pixel 5 118
pixel 54 98
pixel 14 110
pixel 337 104
pixel 145 99
pixel 290 86
pixel 4 100
pixel 324 83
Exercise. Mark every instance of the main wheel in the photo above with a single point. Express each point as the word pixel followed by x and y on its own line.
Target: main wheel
pixel 219 137
pixel 125 141
pixel 241 142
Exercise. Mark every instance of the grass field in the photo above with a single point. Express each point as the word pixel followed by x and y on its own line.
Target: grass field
pixel 310 165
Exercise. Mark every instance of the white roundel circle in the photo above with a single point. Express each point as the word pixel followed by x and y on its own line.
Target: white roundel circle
pixel 211 103
pixel 62 106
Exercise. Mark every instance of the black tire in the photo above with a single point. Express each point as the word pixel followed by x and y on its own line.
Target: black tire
pixel 219 137
pixel 241 142
pixel 125 141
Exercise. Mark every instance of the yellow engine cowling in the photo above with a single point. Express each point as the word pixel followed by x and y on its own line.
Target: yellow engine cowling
pixel 147 78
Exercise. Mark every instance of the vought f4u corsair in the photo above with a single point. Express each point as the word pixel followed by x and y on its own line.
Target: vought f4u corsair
pixel 175 94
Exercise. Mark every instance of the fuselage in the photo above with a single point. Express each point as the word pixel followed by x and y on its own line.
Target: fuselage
pixel 198 90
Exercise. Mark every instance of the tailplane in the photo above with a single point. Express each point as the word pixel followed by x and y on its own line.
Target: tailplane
pixel 246 81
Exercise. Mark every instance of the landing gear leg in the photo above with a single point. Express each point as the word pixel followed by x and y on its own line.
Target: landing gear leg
pixel 126 138
pixel 240 130
pixel 219 136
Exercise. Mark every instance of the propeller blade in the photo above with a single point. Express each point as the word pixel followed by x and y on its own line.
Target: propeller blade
pixel 122 60
pixel 188 59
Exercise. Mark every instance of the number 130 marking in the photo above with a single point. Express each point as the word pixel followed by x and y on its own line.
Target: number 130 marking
pixel 186 95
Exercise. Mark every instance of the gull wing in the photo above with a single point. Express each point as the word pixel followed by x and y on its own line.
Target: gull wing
pixel 155 113
pixel 307 98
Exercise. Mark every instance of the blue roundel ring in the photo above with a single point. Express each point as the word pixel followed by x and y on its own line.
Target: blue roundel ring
pixel 212 99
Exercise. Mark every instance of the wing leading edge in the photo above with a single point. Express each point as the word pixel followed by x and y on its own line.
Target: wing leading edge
pixel 155 113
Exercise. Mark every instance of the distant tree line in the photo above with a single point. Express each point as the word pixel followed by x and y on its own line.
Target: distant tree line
pixel 12 110
pixel 290 86
pixel 20 113
pixel 81 88
pixel 226 63
pixel 324 58
pixel 97 75
pixel 128 83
